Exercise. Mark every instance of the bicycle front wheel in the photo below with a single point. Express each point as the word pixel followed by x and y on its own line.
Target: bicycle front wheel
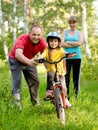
pixel 59 105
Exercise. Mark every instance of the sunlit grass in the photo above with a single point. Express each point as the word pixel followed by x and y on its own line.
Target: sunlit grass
pixel 82 116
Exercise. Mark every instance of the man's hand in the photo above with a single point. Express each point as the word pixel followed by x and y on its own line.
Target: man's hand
pixel 33 62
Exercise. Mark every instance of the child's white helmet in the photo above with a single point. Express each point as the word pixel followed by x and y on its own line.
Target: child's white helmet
pixel 54 35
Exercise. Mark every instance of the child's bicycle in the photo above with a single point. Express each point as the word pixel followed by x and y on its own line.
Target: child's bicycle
pixel 58 90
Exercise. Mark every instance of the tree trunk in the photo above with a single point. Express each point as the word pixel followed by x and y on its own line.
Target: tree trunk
pixel 3 33
pixel 14 22
pixel 85 33
pixel 25 17
pixel 29 8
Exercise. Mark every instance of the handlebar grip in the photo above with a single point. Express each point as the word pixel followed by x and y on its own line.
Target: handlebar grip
pixel 69 55
pixel 40 60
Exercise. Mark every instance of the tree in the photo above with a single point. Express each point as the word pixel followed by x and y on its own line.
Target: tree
pixel 85 33
pixel 3 33
pixel 50 14
pixel 25 17
pixel 14 21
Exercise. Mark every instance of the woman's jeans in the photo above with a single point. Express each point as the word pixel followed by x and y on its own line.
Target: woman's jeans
pixel 31 77
pixel 75 65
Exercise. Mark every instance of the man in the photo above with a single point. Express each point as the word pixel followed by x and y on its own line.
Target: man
pixel 21 59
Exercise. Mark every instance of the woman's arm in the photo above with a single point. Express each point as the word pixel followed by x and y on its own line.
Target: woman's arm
pixel 78 43
pixel 69 43
pixel 64 44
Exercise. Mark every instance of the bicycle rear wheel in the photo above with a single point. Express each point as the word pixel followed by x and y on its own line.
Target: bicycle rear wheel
pixel 59 105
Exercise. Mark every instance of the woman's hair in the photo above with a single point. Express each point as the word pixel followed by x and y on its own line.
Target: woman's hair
pixel 35 24
pixel 72 18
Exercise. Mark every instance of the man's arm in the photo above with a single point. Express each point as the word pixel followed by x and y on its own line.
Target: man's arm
pixel 20 57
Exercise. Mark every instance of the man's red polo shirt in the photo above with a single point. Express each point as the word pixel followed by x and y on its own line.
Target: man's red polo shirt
pixel 29 50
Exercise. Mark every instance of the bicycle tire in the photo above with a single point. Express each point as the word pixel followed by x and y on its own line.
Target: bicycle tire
pixel 59 105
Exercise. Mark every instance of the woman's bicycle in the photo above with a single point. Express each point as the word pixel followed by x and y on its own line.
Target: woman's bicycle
pixel 58 90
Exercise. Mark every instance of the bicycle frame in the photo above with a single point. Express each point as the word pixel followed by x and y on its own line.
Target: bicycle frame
pixel 57 83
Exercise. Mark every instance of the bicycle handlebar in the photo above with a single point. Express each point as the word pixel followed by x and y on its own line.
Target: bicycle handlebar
pixel 67 55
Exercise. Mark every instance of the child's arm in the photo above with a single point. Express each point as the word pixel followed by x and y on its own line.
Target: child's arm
pixel 46 65
pixel 64 64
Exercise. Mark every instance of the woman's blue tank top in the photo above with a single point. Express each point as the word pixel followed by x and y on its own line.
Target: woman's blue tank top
pixel 73 49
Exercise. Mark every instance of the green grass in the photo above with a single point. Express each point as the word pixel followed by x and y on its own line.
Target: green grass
pixel 82 116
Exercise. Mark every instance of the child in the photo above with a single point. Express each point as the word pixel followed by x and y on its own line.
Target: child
pixel 53 53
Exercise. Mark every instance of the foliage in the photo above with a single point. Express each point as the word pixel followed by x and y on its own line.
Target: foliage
pixel 89 66
pixel 90 69
pixel 83 115
pixel 51 14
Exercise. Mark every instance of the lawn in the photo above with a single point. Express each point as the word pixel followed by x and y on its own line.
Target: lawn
pixel 82 116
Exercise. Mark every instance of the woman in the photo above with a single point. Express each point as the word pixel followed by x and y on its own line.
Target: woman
pixel 71 40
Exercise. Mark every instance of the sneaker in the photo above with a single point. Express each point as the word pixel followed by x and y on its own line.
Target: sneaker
pixel 17 96
pixel 49 94
pixel 18 104
pixel 67 104
pixel 35 102
pixel 17 101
